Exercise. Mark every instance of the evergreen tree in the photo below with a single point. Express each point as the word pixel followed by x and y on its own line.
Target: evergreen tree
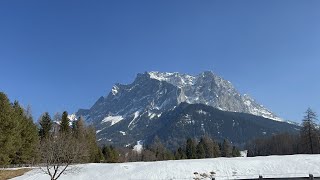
pixel 180 154
pixel 45 125
pixel 95 154
pixel 226 148
pixel 235 152
pixel 309 133
pixel 26 152
pixel 65 123
pixel 9 131
pixel 18 133
pixel 190 149
pixel 110 154
pixel 78 128
pixel 211 148
pixel 200 150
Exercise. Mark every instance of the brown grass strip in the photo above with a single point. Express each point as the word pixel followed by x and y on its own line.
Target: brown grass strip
pixel 8 174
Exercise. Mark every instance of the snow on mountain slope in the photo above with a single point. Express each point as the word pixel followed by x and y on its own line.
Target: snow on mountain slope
pixel 220 168
pixel 112 119
pixel 135 107
pixel 210 89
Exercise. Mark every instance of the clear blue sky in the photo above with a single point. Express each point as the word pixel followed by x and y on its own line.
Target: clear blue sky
pixel 63 55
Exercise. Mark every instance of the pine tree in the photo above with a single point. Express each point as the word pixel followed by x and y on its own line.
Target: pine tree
pixel 64 125
pixel 45 125
pixel 78 128
pixel 200 150
pixel 180 154
pixel 309 133
pixel 210 146
pixel 27 151
pixel 111 155
pixel 226 148
pixel 94 152
pixel 18 133
pixel 190 149
pixel 235 152
pixel 9 130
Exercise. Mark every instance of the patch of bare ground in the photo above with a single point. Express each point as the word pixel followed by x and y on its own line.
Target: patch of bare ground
pixel 8 174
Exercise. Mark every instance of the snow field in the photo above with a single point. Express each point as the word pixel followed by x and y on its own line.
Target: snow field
pixel 220 168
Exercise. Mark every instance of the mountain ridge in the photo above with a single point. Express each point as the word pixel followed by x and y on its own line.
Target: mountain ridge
pixel 131 108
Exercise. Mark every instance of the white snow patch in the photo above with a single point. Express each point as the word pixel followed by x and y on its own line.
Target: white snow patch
pixel 112 119
pixel 127 145
pixel 122 132
pixel 72 117
pixel 153 115
pixel 244 153
pixel 136 115
pixel 138 147
pixel 115 90
pixel 201 112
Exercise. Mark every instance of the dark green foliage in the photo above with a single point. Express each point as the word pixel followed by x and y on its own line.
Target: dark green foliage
pixel 45 125
pixel 200 151
pixel 78 128
pixel 110 154
pixel 9 136
pixel 27 153
pixel 65 123
pixel 95 154
pixel 226 148
pixel 235 152
pixel 191 149
pixel 180 154
pixel 18 133
pixel 211 148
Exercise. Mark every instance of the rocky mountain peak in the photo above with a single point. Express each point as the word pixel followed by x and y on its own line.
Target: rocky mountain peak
pixel 155 92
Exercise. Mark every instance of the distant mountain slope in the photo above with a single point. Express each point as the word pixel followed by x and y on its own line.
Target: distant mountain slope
pixel 128 112
pixel 193 120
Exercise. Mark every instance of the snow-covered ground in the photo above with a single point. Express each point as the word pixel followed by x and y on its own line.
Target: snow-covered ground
pixel 221 168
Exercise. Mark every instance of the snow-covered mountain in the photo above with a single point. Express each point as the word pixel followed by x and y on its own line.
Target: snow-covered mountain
pixel 159 91
pixel 128 110
pixel 210 89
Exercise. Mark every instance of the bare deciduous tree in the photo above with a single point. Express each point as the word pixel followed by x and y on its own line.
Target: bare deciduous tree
pixel 59 152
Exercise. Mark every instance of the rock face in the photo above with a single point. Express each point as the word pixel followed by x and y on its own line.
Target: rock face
pixel 210 89
pixel 126 114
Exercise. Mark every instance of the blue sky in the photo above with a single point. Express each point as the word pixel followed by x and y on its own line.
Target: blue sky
pixel 63 55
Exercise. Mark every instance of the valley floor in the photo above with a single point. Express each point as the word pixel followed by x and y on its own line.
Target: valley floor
pixel 220 168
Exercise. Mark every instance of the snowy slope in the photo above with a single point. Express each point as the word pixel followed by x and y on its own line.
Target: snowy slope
pixel 209 89
pixel 224 168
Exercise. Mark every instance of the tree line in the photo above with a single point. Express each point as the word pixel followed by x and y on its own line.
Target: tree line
pixel 23 142
pixel 307 141
pixel 206 147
